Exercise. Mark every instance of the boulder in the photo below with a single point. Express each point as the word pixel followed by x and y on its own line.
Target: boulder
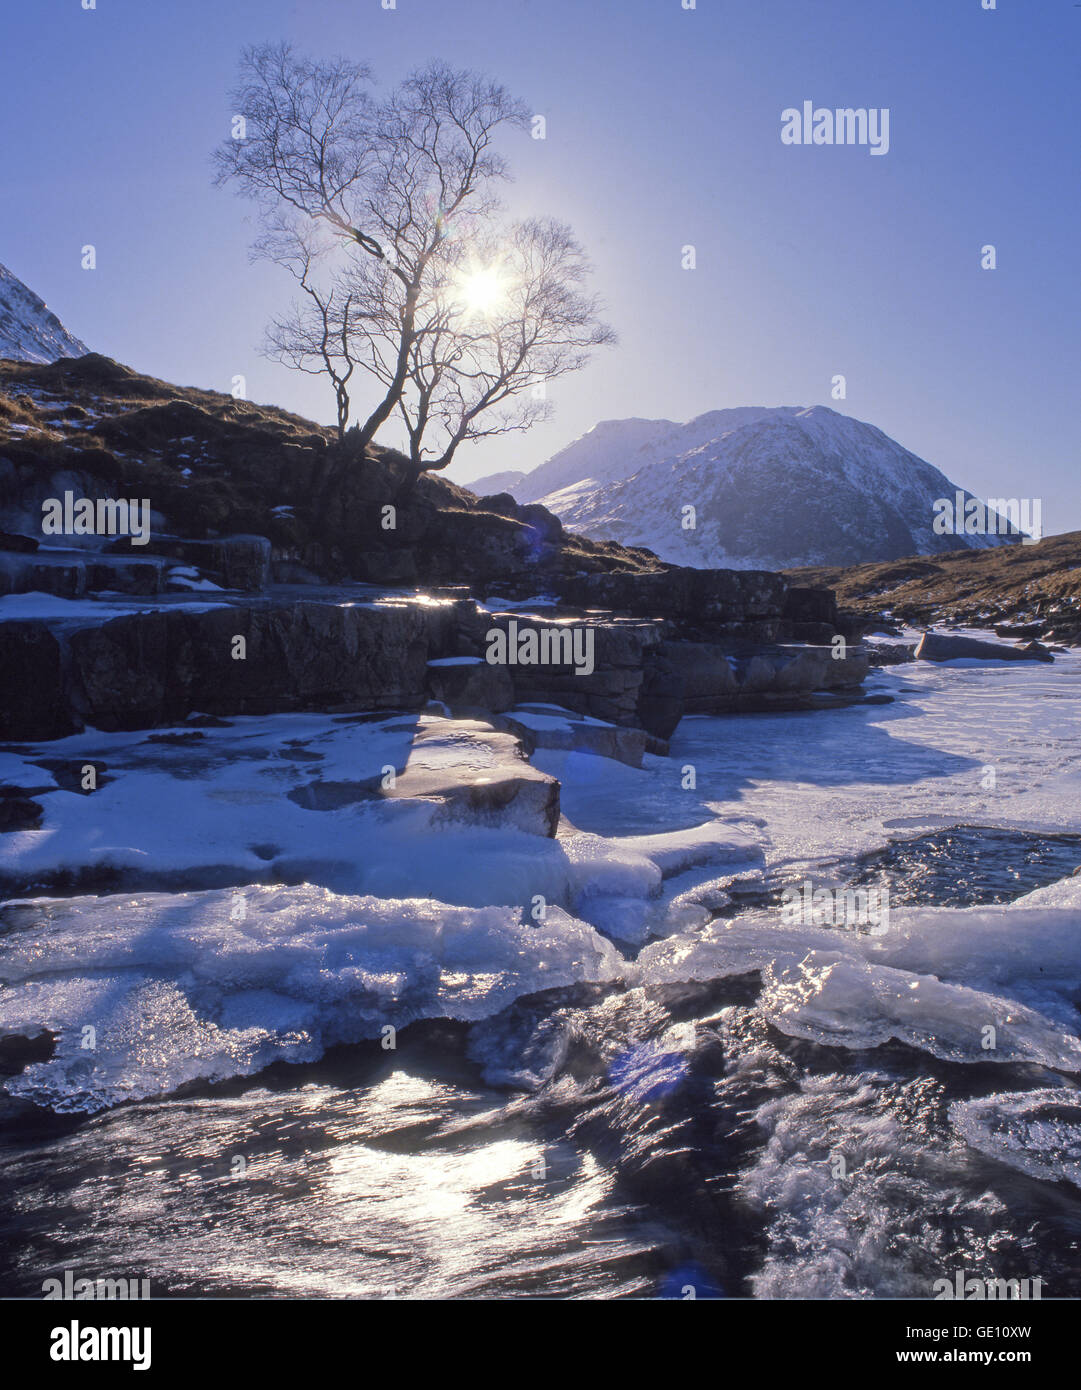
pixel 890 653
pixel 708 680
pixel 660 698
pixel 793 671
pixel 950 646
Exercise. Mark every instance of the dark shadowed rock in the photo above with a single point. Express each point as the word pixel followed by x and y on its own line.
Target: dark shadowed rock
pixel 890 653
pixel 19 813
pixel 157 667
pixel 10 541
pixel 806 605
pixel 661 695
pixel 32 702
pixel 469 682
pixel 708 680
pixel 233 562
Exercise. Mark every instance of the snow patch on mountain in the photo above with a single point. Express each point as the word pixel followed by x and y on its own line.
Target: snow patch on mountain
pixel 29 331
pixel 493 483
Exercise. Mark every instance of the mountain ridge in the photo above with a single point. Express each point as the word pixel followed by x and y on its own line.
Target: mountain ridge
pixel 752 487
pixel 29 330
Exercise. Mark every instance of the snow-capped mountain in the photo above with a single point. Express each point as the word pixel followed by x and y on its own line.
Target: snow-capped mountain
pixel 29 332
pixel 494 483
pixel 770 488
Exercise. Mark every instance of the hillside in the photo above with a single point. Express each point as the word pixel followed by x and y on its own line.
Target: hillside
pixel 1035 586
pixel 354 585
pixel 213 466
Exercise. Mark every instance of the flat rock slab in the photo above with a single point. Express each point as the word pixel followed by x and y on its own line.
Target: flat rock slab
pixel 480 775
pixel 550 726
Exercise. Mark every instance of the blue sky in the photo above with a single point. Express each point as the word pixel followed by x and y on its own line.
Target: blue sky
pixel 663 130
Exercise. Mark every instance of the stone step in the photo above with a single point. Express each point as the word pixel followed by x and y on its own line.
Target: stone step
pixel 75 573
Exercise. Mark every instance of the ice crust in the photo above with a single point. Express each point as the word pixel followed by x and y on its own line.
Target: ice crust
pixel 1037 1132
pixel 221 983
pixel 937 980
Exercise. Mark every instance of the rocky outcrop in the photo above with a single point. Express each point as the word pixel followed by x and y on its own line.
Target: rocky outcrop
pixel 158 667
pixel 232 562
pixel 469 683
pixel 723 601
pixel 244 497
pixel 610 691
pixel 255 657
pixel 73 574
pixel 891 653
pixel 718 680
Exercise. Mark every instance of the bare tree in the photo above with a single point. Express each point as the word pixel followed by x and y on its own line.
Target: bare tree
pixel 318 333
pixel 395 180
pixel 510 317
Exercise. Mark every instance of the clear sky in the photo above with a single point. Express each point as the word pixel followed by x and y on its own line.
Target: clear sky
pixel 663 129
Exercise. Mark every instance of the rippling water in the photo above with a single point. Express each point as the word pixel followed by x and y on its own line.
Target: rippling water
pixel 673 1142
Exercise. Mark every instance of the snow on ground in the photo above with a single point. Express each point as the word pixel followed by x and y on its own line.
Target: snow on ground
pixel 993 745
pixel 49 607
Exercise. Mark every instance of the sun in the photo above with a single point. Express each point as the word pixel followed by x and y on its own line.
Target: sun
pixel 482 290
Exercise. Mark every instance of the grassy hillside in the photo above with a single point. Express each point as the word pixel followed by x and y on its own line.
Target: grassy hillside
pixel 1031 585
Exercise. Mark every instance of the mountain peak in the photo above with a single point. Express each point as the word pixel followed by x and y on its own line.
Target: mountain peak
pixel 767 487
pixel 29 330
